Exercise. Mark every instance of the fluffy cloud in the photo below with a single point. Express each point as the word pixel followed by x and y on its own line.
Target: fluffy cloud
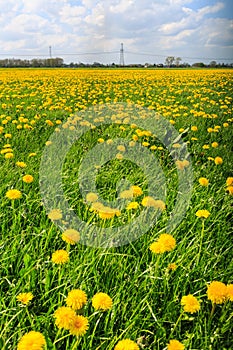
pixel 171 27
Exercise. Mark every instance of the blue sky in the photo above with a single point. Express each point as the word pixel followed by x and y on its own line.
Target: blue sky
pixel 195 30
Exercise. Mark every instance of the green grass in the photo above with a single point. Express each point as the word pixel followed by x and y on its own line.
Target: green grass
pixel 146 294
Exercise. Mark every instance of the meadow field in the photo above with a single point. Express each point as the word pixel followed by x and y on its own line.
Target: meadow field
pixel 65 286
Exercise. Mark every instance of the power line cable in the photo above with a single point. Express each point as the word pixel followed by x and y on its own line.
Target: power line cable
pixel 148 54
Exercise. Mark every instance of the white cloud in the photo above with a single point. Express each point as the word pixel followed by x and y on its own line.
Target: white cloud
pixel 171 27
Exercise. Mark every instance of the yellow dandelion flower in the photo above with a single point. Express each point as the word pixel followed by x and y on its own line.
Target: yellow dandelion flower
pixel 214 144
pixel 229 189
pixel 102 301
pixel 176 145
pixel 190 303
pixel 8 136
pixel 96 206
pixel 175 345
pixel 108 213
pixel 206 147
pixel 55 214
pixel 139 132
pixel 28 178
pixel 79 325
pixel 132 143
pixel 133 126
pixel 132 205
pixel 229 181
pixel 172 266
pixel 21 164
pixel 203 213
pixel 218 160
pixel 121 148
pixel 48 143
pixel 100 140
pixel 225 125
pixel 194 128
pixel 119 156
pixel 148 201
pixel 181 164
pixel 6 150
pixel 25 298
pixel 165 243
pixel 151 202
pixel 32 340
pixel 217 292
pixel 71 236
pixel 203 181
pixel 9 155
pixel 49 122
pixel 126 344
pixel 230 292
pixel 76 299
pixel 91 197
pixel 159 204
pixel 64 317
pixel 156 248
pixel 13 194
pixel 60 257
pixel 33 154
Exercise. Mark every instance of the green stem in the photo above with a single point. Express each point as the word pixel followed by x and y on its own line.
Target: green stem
pixel 156 267
pixel 29 317
pixel 201 241
pixel 177 322
pixel 212 310
pixel 75 344
pixel 56 340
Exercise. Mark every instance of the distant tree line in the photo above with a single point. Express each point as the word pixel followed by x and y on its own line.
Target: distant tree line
pixel 170 62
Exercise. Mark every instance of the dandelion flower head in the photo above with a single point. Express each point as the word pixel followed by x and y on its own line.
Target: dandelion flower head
pixel 25 298
pixel 76 299
pixel 217 292
pixel 175 345
pixel 203 181
pixel 13 194
pixel 28 178
pixel 203 213
pixel 64 317
pixel 126 344
pixel 55 214
pixel 79 325
pixel 102 301
pixel 165 243
pixel 32 340
pixel 230 292
pixel 71 236
pixel 60 257
pixel 190 303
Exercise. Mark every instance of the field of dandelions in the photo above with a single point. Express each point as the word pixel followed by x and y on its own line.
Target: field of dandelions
pixel 164 290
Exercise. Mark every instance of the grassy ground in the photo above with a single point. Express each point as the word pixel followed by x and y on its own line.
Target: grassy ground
pixel 146 293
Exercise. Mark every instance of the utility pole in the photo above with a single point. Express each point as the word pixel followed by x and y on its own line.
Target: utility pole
pixel 122 61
